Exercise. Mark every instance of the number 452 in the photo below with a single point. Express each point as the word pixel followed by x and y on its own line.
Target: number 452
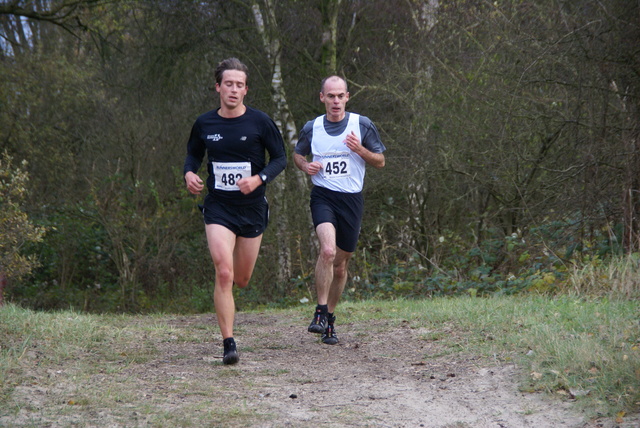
pixel 337 167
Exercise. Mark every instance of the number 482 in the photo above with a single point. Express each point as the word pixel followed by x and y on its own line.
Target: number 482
pixel 230 179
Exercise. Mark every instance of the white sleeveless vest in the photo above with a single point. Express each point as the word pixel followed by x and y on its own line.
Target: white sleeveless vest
pixel 342 169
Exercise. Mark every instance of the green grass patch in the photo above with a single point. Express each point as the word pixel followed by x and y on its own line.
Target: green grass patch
pixel 584 349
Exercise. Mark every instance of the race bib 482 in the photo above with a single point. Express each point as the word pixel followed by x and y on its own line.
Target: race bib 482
pixel 227 174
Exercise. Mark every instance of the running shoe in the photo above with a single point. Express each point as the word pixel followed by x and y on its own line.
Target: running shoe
pixel 319 323
pixel 329 336
pixel 230 355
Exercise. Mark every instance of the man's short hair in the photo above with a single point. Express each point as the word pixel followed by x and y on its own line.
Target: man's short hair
pixel 230 64
pixel 333 78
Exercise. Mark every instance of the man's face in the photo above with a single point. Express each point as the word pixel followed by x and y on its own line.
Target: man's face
pixel 232 89
pixel 335 97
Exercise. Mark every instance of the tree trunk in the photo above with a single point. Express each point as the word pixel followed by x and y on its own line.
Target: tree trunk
pixel 3 283
pixel 631 198
pixel 283 118
pixel 330 9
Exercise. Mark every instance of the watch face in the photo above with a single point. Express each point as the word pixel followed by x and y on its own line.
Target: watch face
pixel 263 177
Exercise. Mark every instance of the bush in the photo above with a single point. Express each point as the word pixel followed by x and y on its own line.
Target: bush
pixel 16 229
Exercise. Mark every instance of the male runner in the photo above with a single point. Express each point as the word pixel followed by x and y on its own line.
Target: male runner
pixel 235 209
pixel 341 144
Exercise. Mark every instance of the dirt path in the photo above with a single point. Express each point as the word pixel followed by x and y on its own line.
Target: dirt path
pixel 375 377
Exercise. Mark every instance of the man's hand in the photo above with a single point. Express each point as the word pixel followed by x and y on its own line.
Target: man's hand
pixel 313 167
pixel 374 159
pixel 310 168
pixel 194 183
pixel 353 143
pixel 249 184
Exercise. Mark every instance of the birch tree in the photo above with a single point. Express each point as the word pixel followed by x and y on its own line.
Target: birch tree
pixel 330 10
pixel 267 26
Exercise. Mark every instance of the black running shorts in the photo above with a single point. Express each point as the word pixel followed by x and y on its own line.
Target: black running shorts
pixel 247 221
pixel 343 210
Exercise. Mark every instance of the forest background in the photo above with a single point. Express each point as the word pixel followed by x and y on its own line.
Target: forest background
pixel 511 127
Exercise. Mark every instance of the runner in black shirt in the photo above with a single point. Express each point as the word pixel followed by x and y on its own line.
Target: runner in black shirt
pixel 234 138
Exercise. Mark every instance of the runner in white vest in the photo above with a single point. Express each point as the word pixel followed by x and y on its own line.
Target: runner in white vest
pixel 343 170
pixel 341 144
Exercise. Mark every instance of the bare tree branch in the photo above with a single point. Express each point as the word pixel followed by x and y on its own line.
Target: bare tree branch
pixel 64 14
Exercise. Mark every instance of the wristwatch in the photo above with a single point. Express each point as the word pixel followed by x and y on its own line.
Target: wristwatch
pixel 263 177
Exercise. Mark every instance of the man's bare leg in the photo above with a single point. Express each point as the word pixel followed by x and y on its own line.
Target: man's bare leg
pixel 234 260
pixel 340 263
pixel 326 233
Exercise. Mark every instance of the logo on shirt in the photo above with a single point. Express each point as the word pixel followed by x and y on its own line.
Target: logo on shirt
pixel 243 138
pixel 214 137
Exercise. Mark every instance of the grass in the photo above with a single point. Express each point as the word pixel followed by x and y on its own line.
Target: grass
pixel 617 278
pixel 584 349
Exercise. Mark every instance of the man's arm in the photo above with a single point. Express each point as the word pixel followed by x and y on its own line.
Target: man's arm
pixel 304 146
pixel 274 144
pixel 195 154
pixel 374 159
pixel 194 182
pixel 310 168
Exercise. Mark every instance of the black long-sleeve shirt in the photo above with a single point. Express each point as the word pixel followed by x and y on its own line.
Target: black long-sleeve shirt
pixel 241 139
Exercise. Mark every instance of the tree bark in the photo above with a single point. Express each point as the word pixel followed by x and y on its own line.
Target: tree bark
pixel 3 284
pixel 284 119
pixel 330 9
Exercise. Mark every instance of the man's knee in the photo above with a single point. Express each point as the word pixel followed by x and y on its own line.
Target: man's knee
pixel 224 275
pixel 340 270
pixel 241 282
pixel 328 254
pixel 340 265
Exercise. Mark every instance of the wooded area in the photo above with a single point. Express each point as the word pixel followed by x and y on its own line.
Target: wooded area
pixel 511 130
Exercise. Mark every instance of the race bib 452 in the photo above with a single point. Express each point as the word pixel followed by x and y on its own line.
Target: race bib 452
pixel 336 165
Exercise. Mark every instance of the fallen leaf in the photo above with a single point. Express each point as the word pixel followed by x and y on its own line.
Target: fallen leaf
pixel 579 392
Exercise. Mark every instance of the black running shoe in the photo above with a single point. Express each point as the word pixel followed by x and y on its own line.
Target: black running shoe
pixel 230 353
pixel 329 336
pixel 319 323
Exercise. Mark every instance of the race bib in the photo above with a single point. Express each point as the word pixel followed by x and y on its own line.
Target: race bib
pixel 227 174
pixel 336 165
